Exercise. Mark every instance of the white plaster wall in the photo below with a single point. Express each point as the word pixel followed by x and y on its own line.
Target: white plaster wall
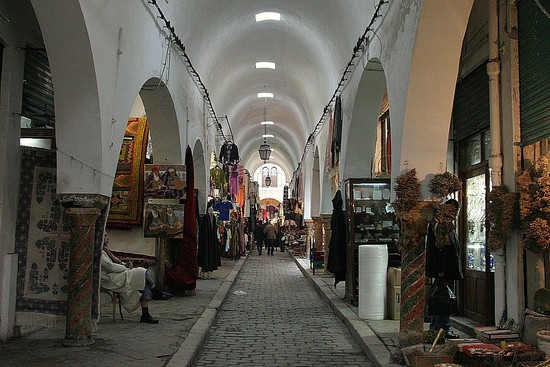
pixel 127 49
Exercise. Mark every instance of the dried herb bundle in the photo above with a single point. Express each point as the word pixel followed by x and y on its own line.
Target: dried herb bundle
pixel 407 192
pixel 534 184
pixel 444 184
pixel 502 214
pixel 444 220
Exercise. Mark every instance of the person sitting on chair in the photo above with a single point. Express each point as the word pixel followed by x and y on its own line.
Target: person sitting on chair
pixel 133 284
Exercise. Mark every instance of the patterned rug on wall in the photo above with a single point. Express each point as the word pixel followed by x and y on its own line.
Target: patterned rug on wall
pixel 127 199
pixel 42 237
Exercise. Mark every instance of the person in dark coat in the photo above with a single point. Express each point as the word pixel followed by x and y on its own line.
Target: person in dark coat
pixel 443 261
pixel 259 236
pixel 337 244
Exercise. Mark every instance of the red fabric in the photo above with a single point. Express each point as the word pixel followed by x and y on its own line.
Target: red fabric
pixel 184 275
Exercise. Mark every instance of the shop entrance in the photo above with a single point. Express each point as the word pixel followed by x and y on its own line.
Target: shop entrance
pixel 478 285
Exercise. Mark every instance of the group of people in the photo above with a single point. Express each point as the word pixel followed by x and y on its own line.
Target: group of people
pixel 269 234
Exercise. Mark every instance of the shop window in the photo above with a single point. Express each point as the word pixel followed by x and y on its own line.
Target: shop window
pixel 475 150
pixel 475 225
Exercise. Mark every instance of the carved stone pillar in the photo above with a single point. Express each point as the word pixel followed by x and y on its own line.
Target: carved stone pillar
pixel 83 211
pixel 327 232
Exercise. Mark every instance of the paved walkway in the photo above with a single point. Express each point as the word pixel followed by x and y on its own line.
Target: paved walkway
pixel 273 316
pixel 186 321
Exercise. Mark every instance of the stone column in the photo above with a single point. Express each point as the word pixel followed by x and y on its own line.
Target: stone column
pixel 83 211
pixel 327 232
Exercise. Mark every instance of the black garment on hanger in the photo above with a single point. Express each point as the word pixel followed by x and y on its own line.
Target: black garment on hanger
pixel 229 154
pixel 209 254
pixel 337 244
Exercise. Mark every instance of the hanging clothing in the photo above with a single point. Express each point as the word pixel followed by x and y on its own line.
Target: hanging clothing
pixel 337 244
pixel 183 275
pixel 218 178
pixel 229 154
pixel 224 207
pixel 209 256
pixel 234 181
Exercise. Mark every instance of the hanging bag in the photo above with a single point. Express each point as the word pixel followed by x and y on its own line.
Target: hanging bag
pixel 441 299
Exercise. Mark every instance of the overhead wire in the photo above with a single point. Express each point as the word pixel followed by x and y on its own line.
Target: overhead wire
pixel 355 54
pixel 193 71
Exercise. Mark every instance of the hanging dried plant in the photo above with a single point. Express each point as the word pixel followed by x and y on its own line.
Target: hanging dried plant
pixel 444 223
pixel 534 185
pixel 407 192
pixel 502 214
pixel 444 184
pixel 414 224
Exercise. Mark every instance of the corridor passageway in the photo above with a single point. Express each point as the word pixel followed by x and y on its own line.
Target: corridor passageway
pixel 273 316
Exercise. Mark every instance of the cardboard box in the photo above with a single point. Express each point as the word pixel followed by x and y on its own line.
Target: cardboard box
pixel 430 361
pixel 394 302
pixel 482 329
pixel 394 277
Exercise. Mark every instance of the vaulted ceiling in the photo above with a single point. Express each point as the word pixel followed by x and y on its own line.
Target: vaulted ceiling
pixel 310 46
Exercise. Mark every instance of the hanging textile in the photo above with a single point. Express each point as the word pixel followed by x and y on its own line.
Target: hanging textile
pixel 234 181
pixel 229 154
pixel 337 132
pixel 218 178
pixel 183 275
pixel 127 198
pixel 337 244
pixel 209 256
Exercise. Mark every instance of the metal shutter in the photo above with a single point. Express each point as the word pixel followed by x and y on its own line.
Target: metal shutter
pixel 471 104
pixel 38 103
pixel 534 69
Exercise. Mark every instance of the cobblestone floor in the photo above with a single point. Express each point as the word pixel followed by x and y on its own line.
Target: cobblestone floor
pixel 274 317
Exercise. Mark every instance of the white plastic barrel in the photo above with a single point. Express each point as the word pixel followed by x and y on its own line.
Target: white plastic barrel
pixel 373 265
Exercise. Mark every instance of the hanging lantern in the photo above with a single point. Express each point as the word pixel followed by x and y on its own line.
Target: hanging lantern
pixel 265 151
pixel 268 181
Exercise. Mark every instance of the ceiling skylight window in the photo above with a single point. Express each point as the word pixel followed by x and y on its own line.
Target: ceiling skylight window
pixel 267 123
pixel 265 95
pixel 265 65
pixel 268 136
pixel 260 17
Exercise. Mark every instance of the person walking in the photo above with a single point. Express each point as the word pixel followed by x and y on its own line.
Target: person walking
pixel 259 236
pixel 270 232
pixel 443 263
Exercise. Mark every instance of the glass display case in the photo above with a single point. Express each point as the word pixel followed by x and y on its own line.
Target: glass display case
pixel 370 219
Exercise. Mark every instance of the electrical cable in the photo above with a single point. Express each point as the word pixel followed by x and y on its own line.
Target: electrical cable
pixel 355 54
pixel 192 70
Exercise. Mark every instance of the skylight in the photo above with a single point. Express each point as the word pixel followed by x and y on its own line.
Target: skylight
pixel 265 65
pixel 260 17
pixel 265 95
pixel 267 123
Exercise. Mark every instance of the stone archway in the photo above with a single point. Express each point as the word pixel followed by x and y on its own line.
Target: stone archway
pixel 163 123
pixel 361 136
